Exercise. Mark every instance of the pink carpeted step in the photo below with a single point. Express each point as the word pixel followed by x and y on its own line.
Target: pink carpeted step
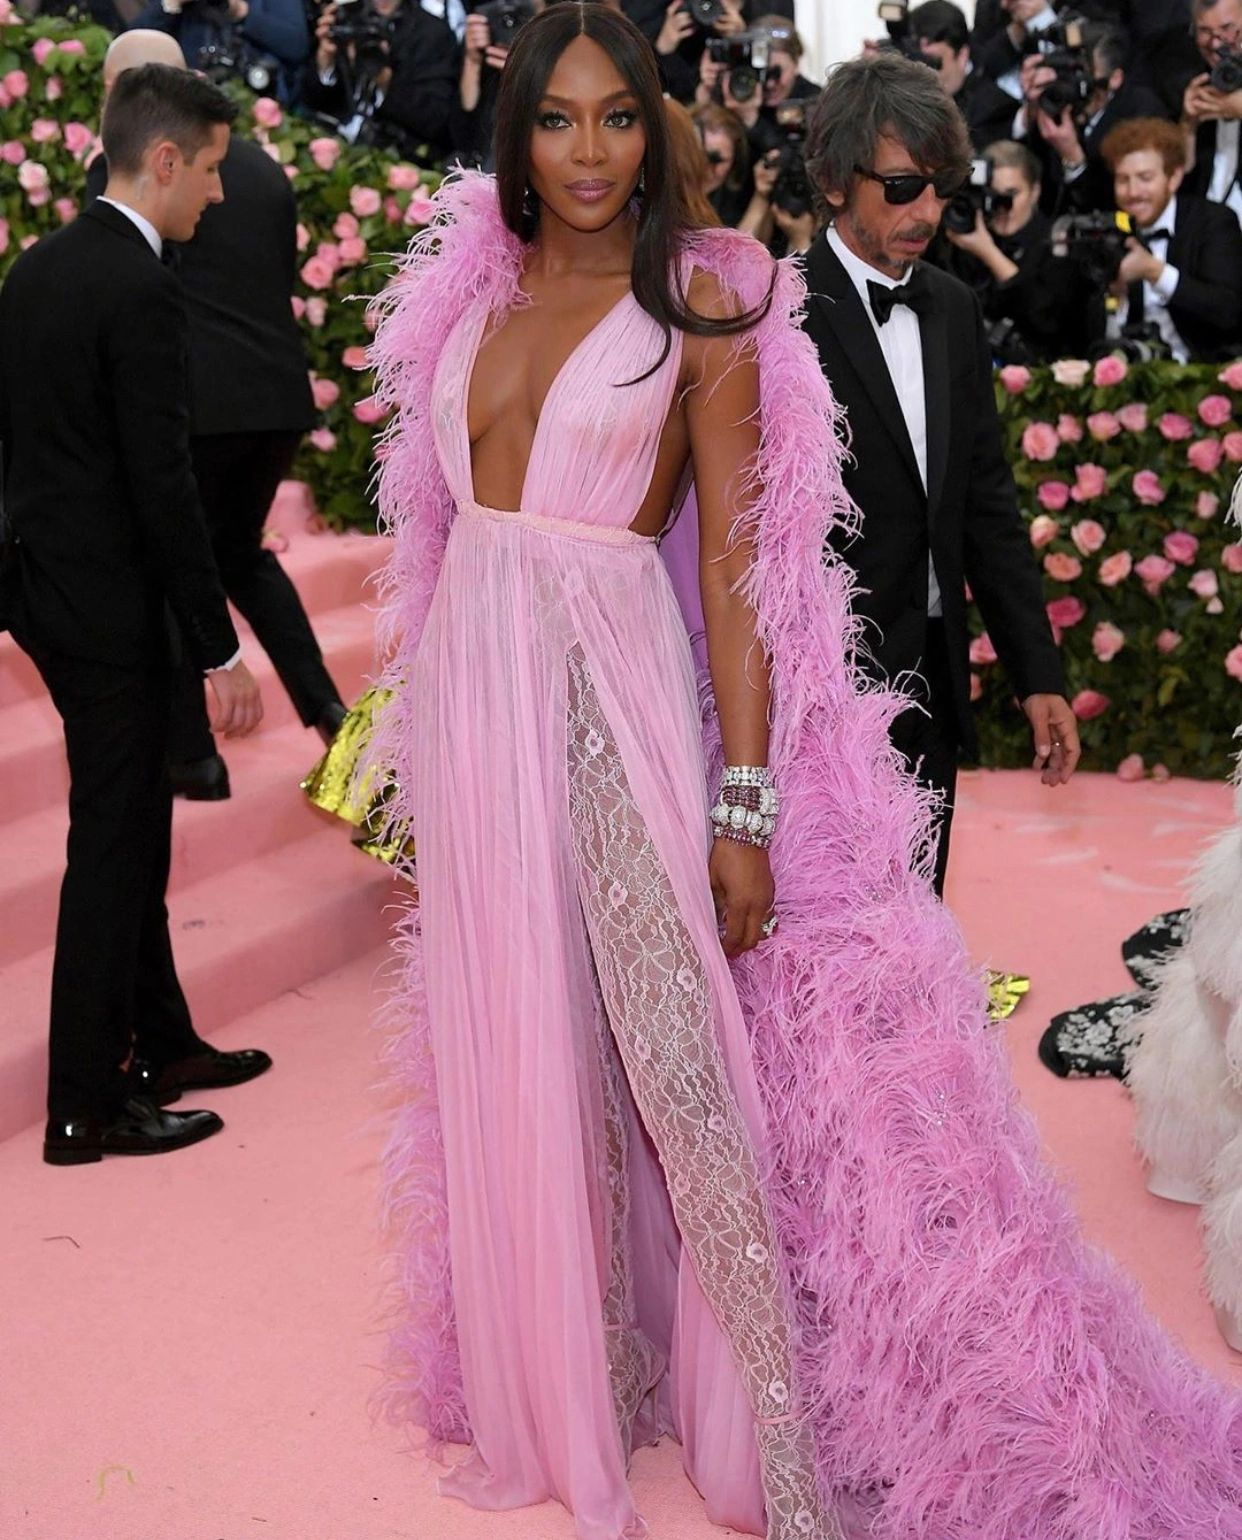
pixel 242 937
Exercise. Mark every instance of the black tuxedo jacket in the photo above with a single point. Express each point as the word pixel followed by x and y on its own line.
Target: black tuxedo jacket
pixel 1200 178
pixel 99 494
pixel 989 111
pixel 248 371
pixel 968 515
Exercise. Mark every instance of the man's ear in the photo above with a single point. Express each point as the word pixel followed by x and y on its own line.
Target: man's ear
pixel 1176 177
pixel 164 160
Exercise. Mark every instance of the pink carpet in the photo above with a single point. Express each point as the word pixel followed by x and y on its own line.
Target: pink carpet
pixel 190 1340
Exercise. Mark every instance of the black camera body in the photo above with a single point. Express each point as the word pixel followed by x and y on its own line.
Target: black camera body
pixel 1141 343
pixel 368 34
pixel 1226 76
pixel 505 19
pixel 705 13
pixel 792 189
pixel 977 197
pixel 1094 242
pixel 1061 49
pixel 895 14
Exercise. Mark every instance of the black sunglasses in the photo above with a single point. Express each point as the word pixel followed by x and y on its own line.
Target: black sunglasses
pixel 906 186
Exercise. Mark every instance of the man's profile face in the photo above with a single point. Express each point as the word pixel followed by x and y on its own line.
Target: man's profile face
pixel 195 184
pixel 887 235
pixel 1218 27
pixel 954 63
pixel 1143 187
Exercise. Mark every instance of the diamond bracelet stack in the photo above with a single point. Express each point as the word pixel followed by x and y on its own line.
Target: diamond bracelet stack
pixel 747 806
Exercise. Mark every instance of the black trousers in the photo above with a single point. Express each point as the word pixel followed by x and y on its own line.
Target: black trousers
pixel 928 738
pixel 237 475
pixel 114 984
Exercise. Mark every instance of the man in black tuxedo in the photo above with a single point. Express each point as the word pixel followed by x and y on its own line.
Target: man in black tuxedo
pixel 103 533
pixel 903 347
pixel 250 403
pixel 939 28
pixel 1182 272
pixel 1212 118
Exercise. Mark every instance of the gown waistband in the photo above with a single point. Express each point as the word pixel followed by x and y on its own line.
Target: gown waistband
pixel 597 534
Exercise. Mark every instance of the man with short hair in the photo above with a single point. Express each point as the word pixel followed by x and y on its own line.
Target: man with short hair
pixel 1212 118
pixel 104 532
pixel 940 30
pixel 1182 271
pixel 903 347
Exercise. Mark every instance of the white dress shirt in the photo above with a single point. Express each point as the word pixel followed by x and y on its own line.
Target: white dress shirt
pixel 901 343
pixel 1156 296
pixel 1226 184
pixel 155 241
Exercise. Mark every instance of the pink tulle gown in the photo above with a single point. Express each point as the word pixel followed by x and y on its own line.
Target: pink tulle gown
pixel 788 1208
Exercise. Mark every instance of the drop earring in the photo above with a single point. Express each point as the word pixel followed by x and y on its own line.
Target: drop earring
pixel 530 204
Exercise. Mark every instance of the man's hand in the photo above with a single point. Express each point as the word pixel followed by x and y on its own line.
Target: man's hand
pixel 678 26
pixel 799 228
pixel 239 10
pixel 765 175
pixel 741 879
pixel 1200 103
pixel 236 707
pixel 1054 731
pixel 325 50
pixel 976 241
pixel 1138 265
pixel 710 71
pixel 1061 137
pixel 731 22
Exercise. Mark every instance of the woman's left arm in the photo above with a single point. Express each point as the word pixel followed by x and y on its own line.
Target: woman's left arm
pixel 722 414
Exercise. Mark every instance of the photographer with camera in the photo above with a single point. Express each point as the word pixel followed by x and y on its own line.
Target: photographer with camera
pixel 679 33
pixel 490 30
pixel 264 42
pixel 1075 89
pixel 1212 105
pixel 727 148
pixel 1178 281
pixel 936 31
pixel 753 73
pixel 1029 297
pixel 383 71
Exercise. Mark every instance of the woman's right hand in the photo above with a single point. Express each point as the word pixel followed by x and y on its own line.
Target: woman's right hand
pixel 478 36
pixel 765 175
pixel 325 51
pixel 710 71
pixel 678 26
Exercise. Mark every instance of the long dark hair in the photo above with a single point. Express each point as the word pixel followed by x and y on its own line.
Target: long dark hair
pixel 662 220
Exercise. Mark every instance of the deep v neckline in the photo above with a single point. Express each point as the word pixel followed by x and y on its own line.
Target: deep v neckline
pixel 481 327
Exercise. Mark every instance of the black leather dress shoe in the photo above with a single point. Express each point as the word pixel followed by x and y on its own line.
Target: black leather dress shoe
pixel 205 1071
pixel 140 1128
pixel 328 723
pixel 201 780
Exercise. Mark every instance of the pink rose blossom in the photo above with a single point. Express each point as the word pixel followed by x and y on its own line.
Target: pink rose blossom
pixel 1161 773
pixel 272 151
pixel 1109 371
pixel 4 236
pixel 16 83
pixel 1089 481
pixel 1062 568
pixel 1206 505
pixel 1203 584
pixel 1181 547
pixel 6 13
pixel 316 310
pixel 13 152
pixel 353 251
pixel 27 241
pixel 44 130
pixel 976 687
pixel 1040 441
pixel 981 651
pixel 420 210
pixel 1133 417
pixel 73 45
pixel 1146 487
pixel 78 139
pixel 364 201
pixel 303 237
pixel 1131 768
pixel 267 113
pixel 354 358
pixel 325 152
pixel 1102 426
pixel 1088 704
pixel 403 178
pixel 1168 641
pixel 323 439
pixel 369 410
pixel 1107 640
pixel 329 252
pixel 6 101
pixel 1233 446
pixel 1115 569
pixel 1174 426
pixel 1069 429
pixel 1088 536
pixel 40 48
pixel 33 179
pixel 316 273
pixel 291 172
pixel 1205 454
pixel 1232 375
pixel 1215 411
pixel 1154 572
pixel 1043 531
pixel 66 209
pixel 1071 371
pixel 1053 495
pixel 1214 606
pixel 1014 377
pixel 1231 558
pixel 299 307
pixel 1066 612
pixel 326 393
pixel 1233 663
pixel 53 90
pixel 346 227
pixel 392 211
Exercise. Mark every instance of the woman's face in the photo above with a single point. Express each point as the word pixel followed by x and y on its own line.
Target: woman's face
pixel 779 86
pixel 588 143
pixel 719 149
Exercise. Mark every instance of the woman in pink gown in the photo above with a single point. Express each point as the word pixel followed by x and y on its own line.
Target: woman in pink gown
pixel 660 1167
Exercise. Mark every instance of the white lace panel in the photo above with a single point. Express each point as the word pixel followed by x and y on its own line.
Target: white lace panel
pixel 659 1006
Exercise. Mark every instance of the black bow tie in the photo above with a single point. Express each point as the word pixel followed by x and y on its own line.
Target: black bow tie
pixel 915 294
pixel 1161 234
pixel 170 256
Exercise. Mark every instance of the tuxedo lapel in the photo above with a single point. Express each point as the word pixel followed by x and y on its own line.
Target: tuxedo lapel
pixel 836 303
pixel 934 333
